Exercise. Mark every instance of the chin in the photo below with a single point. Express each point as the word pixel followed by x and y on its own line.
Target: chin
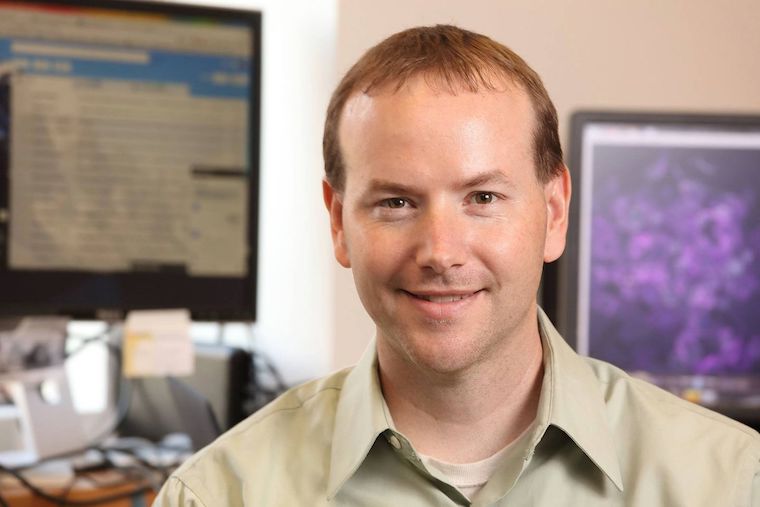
pixel 443 354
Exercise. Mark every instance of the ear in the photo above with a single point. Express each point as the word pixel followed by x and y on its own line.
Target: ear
pixel 557 194
pixel 334 203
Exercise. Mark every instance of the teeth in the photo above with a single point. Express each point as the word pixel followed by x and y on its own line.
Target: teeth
pixel 442 299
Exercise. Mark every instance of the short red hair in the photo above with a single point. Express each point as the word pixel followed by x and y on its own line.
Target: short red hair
pixel 451 58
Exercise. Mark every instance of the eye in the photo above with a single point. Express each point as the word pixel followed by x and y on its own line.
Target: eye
pixel 394 202
pixel 483 198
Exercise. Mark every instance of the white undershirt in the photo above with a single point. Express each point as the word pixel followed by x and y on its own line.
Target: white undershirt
pixel 469 478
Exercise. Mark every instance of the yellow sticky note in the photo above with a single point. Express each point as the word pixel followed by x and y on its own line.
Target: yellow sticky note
pixel 157 343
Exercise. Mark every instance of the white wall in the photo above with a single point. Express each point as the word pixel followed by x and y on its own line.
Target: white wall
pixel 682 55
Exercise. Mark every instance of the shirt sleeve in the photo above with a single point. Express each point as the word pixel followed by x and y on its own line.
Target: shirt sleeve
pixel 175 493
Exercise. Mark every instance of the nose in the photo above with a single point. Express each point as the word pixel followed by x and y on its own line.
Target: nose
pixel 441 240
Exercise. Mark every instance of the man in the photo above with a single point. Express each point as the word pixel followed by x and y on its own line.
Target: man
pixel 447 193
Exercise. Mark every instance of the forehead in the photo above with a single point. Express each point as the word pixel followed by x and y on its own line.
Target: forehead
pixel 419 125
pixel 422 95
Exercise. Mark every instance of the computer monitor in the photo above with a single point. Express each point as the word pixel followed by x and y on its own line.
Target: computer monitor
pixel 129 158
pixel 662 271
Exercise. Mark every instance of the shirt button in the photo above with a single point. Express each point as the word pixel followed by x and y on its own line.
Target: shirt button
pixel 395 442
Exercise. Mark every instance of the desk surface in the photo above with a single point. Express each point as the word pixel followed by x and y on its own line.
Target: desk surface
pixel 91 487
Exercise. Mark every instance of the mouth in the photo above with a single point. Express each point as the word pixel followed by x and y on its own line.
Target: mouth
pixel 442 306
pixel 442 297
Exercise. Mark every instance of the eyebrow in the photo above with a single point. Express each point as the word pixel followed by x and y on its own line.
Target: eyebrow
pixel 484 178
pixel 389 187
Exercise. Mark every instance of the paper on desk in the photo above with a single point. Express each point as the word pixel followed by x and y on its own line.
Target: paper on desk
pixel 157 343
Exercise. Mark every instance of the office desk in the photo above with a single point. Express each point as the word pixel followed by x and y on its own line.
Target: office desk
pixel 99 485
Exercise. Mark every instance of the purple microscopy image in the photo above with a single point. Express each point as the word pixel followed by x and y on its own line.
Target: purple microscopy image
pixel 675 260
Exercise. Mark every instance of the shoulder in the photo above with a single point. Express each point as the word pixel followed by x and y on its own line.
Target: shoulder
pixel 627 397
pixel 296 428
pixel 673 438
pixel 625 392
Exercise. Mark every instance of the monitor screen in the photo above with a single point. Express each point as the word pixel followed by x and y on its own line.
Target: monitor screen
pixel 129 151
pixel 662 272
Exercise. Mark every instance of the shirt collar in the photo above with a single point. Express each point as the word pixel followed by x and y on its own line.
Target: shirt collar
pixel 571 399
pixel 359 419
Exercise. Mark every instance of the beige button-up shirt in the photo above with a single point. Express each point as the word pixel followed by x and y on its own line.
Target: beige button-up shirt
pixel 601 438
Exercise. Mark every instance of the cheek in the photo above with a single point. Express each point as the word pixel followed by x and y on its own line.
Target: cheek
pixel 382 259
pixel 515 250
pixel 375 267
pixel 374 254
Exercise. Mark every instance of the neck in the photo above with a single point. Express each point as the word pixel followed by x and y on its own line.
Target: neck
pixel 466 416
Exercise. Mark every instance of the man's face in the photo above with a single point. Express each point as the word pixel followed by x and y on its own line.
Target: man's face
pixel 443 220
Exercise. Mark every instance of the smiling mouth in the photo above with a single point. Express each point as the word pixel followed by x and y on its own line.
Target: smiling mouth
pixel 442 298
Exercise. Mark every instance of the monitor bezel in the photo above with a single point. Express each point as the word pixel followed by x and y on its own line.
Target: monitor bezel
pixel 87 295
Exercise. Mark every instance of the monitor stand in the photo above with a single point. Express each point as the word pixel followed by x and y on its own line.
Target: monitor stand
pixel 37 418
pixel 42 412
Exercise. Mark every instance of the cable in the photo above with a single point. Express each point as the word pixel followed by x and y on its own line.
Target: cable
pixel 63 500
pixel 143 467
pixel 280 384
pixel 135 453
pixel 260 394
pixel 123 393
pixel 85 342
pixel 123 398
